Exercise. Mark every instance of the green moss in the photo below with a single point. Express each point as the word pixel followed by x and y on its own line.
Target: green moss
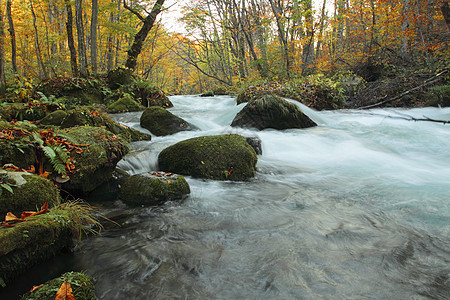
pixel 19 152
pixel 271 112
pixel 208 94
pixel 160 122
pixel 439 96
pixel 154 189
pixel 29 195
pixel 222 157
pixel 82 287
pixel 32 241
pixel 119 77
pixel 54 118
pixel 98 160
pixel 125 104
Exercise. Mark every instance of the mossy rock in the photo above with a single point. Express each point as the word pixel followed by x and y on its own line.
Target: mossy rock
pixel 29 193
pixel 271 111
pixel 125 104
pixel 160 122
pixel 75 90
pixel 119 77
pixel 89 116
pixel 95 164
pixel 33 241
pixel 208 94
pixel 32 111
pixel 157 98
pixel 220 157
pixel 19 152
pixel 250 93
pixel 55 118
pixel 154 188
pixel 82 287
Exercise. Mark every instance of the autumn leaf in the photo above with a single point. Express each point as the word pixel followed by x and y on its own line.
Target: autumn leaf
pixel 26 214
pixel 65 292
pixel 11 218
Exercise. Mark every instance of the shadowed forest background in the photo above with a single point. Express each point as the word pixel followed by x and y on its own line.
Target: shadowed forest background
pixel 224 42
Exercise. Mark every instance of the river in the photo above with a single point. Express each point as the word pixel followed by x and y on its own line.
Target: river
pixel 355 208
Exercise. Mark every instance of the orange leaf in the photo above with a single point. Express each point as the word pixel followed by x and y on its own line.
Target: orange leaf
pixel 168 181
pixel 44 209
pixel 65 292
pixel 10 217
pixel 35 288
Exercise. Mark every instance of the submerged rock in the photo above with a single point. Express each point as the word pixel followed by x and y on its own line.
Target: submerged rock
pixel 220 157
pixel 274 112
pixel 29 191
pixel 154 188
pixel 82 287
pixel 255 142
pixel 160 122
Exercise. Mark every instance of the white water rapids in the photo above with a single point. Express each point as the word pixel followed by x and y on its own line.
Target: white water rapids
pixel 356 208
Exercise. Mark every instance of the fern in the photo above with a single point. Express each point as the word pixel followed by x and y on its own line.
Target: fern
pixel 58 158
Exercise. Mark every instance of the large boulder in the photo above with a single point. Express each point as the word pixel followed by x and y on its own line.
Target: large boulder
pixel 102 150
pixel 28 192
pixel 82 287
pixel 160 122
pixel 33 241
pixel 271 111
pixel 221 157
pixel 154 188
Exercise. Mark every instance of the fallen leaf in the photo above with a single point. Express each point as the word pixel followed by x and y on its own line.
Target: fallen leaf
pixel 65 292
pixel 168 181
pixel 35 288
pixel 26 214
pixel 10 218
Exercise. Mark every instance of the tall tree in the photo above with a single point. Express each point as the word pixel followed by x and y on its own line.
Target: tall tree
pixel 80 37
pixel 12 33
pixel 94 24
pixel 2 49
pixel 70 40
pixel 42 67
pixel 139 38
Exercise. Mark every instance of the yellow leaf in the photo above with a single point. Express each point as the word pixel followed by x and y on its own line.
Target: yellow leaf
pixel 65 292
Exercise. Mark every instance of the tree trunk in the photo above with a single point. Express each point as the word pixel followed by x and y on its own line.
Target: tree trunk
pixel 94 23
pixel 12 33
pixel 36 39
pixel 320 38
pixel 139 38
pixel 2 49
pixel 70 41
pixel 308 48
pixel 80 37
pixel 445 9
pixel 276 9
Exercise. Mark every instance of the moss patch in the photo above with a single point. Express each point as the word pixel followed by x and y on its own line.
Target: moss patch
pixel 160 122
pixel 125 104
pixel 32 241
pixel 154 188
pixel 82 287
pixel 28 196
pixel 98 160
pixel 221 157
pixel 272 111
pixel 54 118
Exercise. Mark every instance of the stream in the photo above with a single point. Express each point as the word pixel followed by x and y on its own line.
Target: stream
pixel 355 208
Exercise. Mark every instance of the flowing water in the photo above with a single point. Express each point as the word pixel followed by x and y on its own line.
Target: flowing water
pixel 356 208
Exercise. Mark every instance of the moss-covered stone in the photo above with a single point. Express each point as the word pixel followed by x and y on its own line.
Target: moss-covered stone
pixel 55 118
pixel 439 96
pixel 75 90
pixel 271 111
pixel 82 287
pixel 98 160
pixel 119 77
pixel 30 192
pixel 89 116
pixel 159 121
pixel 207 94
pixel 154 188
pixel 221 157
pixel 125 104
pixel 30 242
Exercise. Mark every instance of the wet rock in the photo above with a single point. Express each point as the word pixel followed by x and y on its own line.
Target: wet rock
pixel 274 112
pixel 154 188
pixel 221 157
pixel 54 118
pixel 28 243
pixel 125 104
pixel 255 142
pixel 29 191
pixel 82 287
pixel 161 122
